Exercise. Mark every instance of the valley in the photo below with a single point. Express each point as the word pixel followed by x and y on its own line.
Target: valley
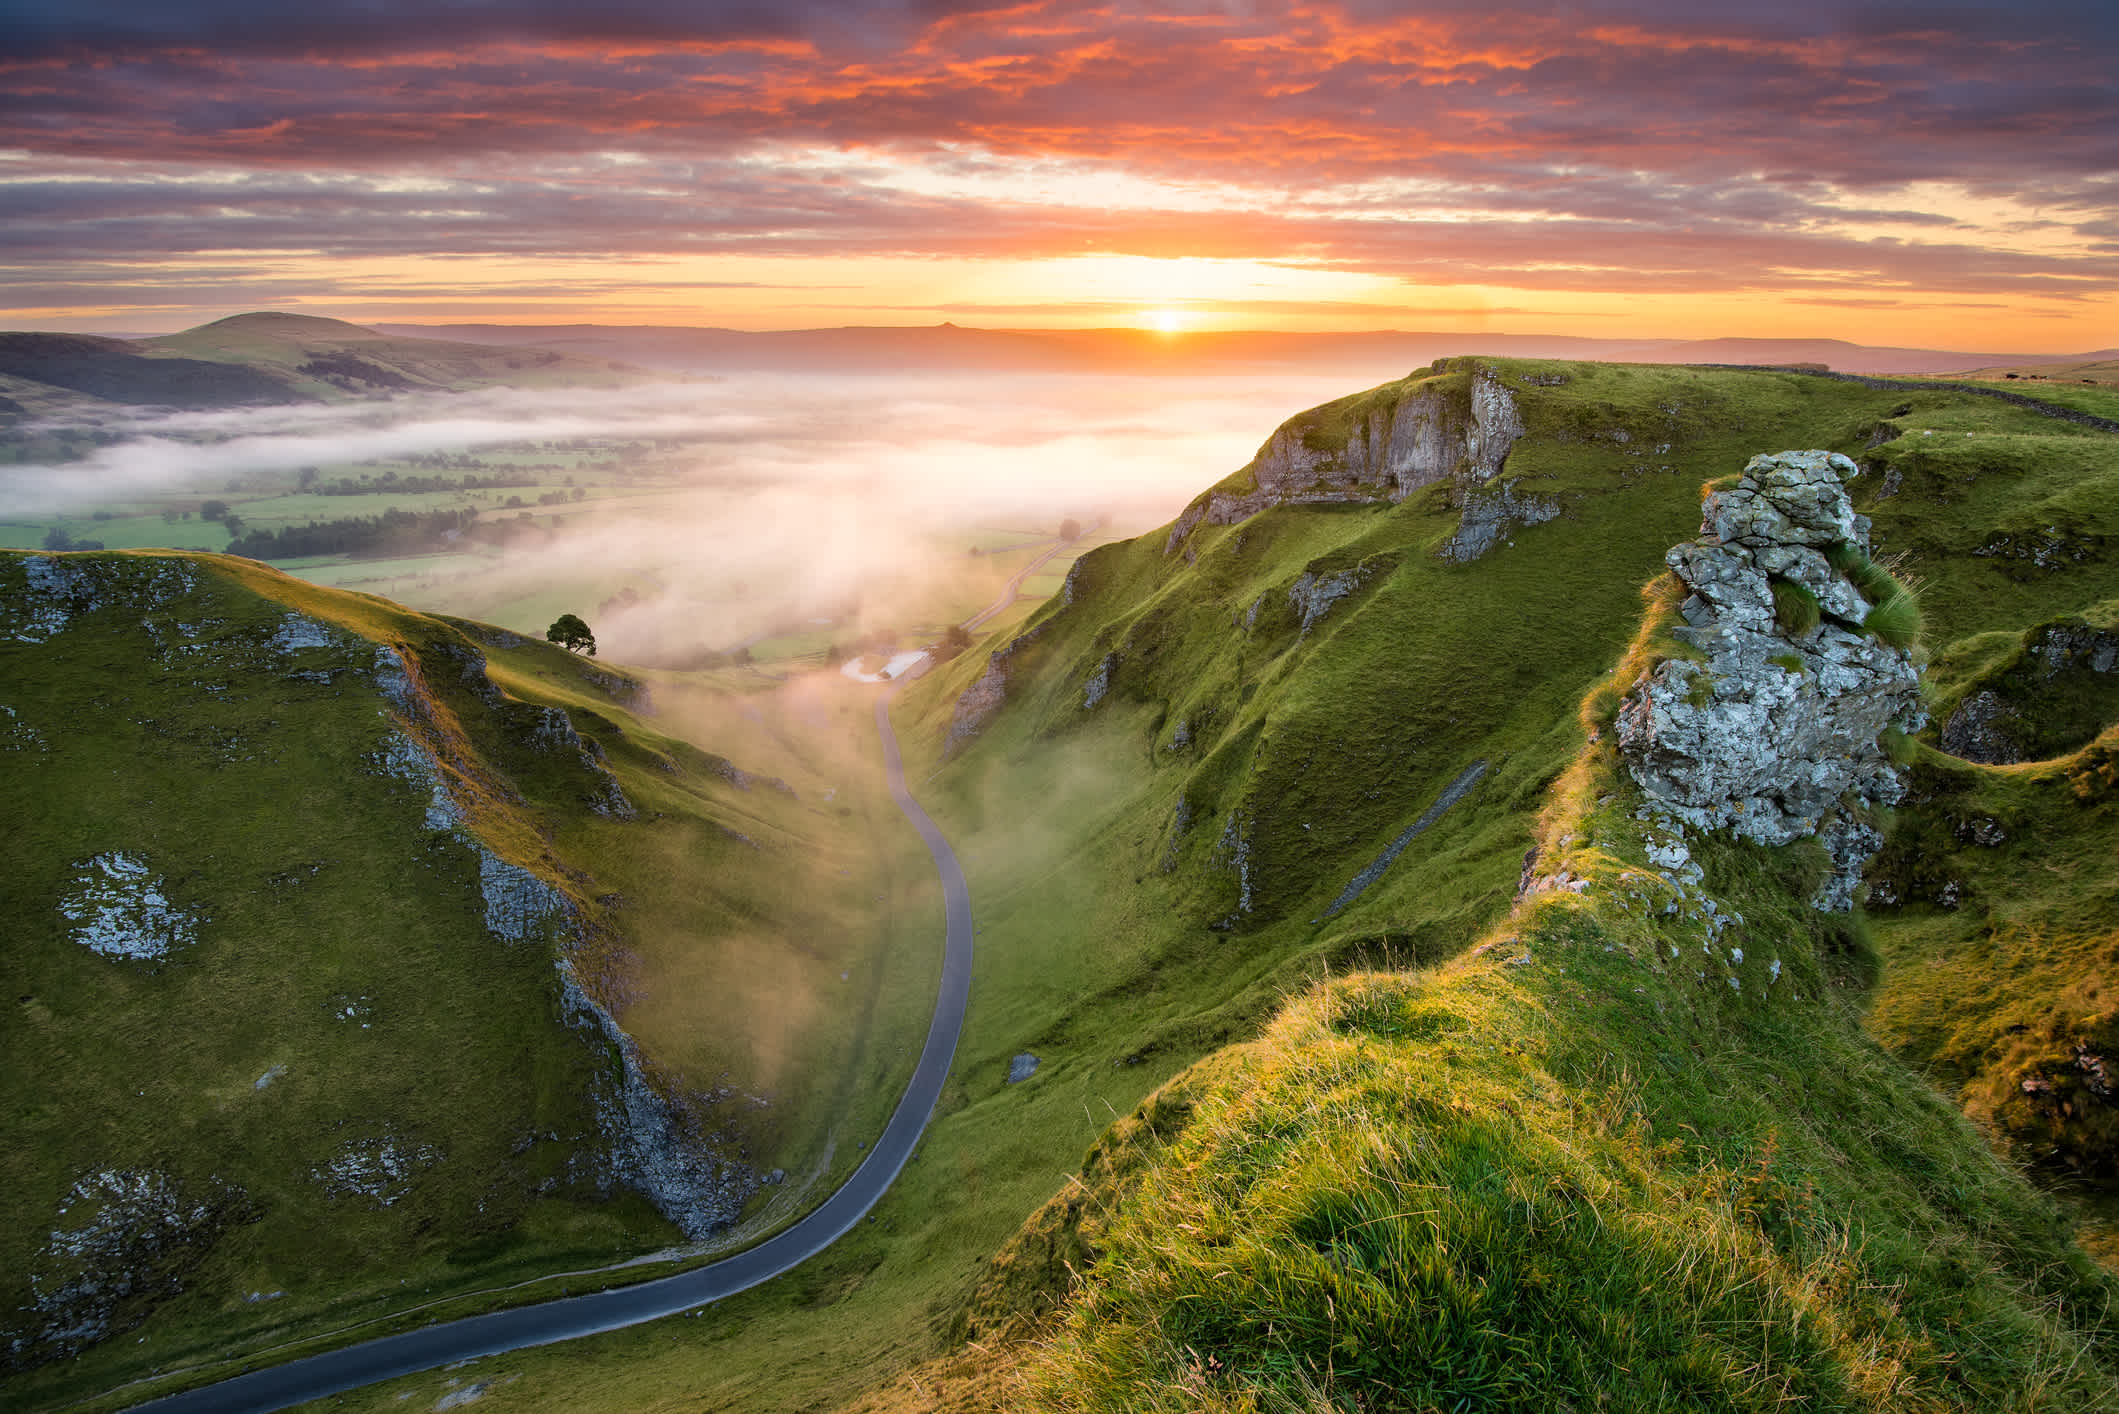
pixel 1309 876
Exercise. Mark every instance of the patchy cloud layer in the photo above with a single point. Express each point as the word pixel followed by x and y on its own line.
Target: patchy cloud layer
pixel 1951 149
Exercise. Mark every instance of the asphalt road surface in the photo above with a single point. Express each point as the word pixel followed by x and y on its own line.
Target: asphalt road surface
pixel 350 1367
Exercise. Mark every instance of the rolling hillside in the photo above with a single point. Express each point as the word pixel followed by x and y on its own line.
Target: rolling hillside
pixel 265 358
pixel 367 961
pixel 1541 1155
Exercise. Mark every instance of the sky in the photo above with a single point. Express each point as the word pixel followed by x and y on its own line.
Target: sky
pixel 1935 174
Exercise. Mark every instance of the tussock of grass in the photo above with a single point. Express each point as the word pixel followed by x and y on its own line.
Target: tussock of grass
pixel 1795 608
pixel 1895 620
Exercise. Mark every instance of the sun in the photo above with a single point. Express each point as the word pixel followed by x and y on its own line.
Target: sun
pixel 1165 321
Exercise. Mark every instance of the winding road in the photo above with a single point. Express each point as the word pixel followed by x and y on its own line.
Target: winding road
pixel 352 1366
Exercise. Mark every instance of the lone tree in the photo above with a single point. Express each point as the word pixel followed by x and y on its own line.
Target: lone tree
pixel 1070 529
pixel 570 633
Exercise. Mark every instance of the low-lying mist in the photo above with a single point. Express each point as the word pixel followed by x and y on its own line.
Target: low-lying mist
pixel 766 503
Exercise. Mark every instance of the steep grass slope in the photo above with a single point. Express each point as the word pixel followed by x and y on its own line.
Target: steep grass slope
pixel 321 920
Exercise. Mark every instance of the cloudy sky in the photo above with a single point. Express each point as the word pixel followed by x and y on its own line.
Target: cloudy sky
pixel 1941 174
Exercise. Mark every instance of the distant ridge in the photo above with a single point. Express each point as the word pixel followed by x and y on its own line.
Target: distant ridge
pixel 950 346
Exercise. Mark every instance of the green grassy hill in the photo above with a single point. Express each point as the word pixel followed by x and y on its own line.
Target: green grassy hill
pixel 1336 1040
pixel 328 358
pixel 261 359
pixel 1596 1176
pixel 323 912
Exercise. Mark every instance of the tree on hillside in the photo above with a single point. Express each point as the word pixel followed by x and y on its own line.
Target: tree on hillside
pixel 570 633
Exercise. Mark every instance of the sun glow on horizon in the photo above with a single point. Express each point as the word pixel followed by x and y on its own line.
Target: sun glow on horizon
pixel 1166 321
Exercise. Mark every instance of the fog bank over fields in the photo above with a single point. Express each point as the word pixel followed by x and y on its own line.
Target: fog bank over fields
pixel 750 503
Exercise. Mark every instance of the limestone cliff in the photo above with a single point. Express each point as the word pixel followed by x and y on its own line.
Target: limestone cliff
pixel 1772 733
pixel 1452 427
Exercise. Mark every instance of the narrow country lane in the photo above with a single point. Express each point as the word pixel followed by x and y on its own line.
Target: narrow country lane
pixel 278 1386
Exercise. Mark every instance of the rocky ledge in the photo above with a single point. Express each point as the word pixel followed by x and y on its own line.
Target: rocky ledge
pixel 1439 431
pixel 1772 730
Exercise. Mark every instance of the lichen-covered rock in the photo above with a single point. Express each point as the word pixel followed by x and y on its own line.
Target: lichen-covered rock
pixel 1313 595
pixel 656 1145
pixel 520 907
pixel 1773 735
pixel 380 1170
pixel 297 631
pixel 119 909
pixel 122 1240
pixel 58 589
pixel 1099 685
pixel 1978 730
pixel 2051 697
pixel 409 761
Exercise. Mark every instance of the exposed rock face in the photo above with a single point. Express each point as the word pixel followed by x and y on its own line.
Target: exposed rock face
pixel 1488 515
pixel 1774 736
pixel 122 1240
pixel 1313 595
pixel 980 701
pixel 656 1144
pixel 58 590
pixel 1435 434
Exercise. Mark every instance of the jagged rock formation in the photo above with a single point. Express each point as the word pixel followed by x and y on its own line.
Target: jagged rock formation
pixel 1438 432
pixel 656 1142
pixel 1773 733
pixel 1488 515
pixel 983 699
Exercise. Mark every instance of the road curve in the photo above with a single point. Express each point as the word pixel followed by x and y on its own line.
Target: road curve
pixel 335 1371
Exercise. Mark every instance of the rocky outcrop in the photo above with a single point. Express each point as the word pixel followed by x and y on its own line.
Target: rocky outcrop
pixel 1443 430
pixel 122 1240
pixel 1772 733
pixel 984 698
pixel 1489 514
pixel 2053 696
pixel 657 1148
pixel 1312 595
pixel 118 909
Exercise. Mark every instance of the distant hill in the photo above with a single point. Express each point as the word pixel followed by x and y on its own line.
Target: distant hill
pixel 119 372
pixel 327 358
pixel 271 358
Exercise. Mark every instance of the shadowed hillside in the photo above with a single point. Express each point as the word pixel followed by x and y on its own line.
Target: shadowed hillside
pixel 366 961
